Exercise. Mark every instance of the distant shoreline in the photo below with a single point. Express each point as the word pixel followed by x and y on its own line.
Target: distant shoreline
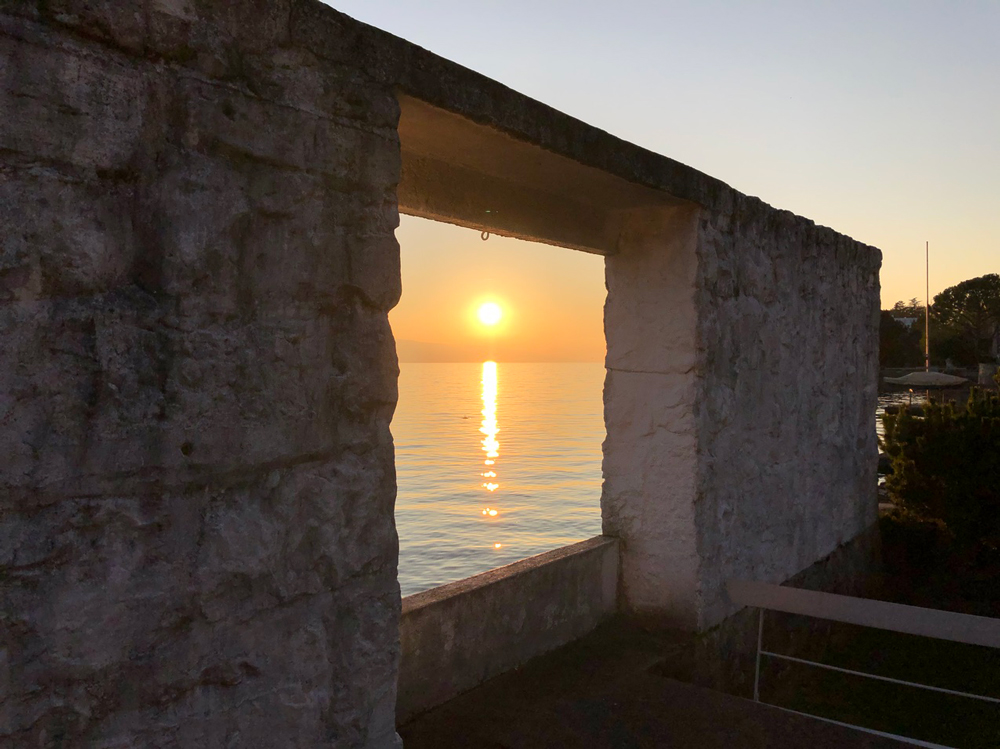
pixel 502 361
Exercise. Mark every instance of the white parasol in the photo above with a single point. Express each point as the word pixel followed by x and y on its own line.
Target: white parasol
pixel 923 380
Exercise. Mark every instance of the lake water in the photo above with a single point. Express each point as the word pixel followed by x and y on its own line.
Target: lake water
pixel 494 463
pixel 894 399
pixel 497 462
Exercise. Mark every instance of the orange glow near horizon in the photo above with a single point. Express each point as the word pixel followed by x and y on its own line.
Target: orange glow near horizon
pixel 465 300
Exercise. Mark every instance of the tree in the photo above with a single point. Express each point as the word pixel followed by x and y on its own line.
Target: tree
pixel 899 346
pixel 971 310
pixel 912 308
pixel 948 343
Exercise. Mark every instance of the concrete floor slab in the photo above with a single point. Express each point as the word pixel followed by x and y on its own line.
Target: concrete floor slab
pixel 607 690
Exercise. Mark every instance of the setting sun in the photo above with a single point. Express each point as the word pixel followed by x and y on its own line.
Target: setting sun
pixel 489 313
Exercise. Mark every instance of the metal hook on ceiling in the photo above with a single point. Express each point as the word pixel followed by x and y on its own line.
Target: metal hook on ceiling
pixel 484 236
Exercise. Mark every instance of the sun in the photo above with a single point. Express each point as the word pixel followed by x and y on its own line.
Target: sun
pixel 489 313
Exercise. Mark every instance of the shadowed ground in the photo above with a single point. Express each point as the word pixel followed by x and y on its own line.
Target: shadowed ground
pixel 606 691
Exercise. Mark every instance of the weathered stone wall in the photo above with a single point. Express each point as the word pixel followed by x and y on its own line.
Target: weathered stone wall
pixel 196 381
pixel 788 358
pixel 650 453
pixel 739 402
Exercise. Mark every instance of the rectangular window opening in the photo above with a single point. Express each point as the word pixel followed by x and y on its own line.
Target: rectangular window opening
pixel 499 425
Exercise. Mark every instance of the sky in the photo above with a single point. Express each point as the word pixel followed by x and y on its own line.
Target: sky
pixel 552 298
pixel 879 119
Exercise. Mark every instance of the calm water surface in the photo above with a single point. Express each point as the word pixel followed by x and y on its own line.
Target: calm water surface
pixel 494 463
pixel 894 399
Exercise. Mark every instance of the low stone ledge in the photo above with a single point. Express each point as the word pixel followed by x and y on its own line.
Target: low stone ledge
pixel 456 636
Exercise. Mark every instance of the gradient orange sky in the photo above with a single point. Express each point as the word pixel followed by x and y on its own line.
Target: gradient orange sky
pixel 552 298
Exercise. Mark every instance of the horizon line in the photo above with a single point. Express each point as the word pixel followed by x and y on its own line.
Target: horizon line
pixel 501 361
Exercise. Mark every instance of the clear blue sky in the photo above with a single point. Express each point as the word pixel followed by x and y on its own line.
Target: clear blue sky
pixel 879 119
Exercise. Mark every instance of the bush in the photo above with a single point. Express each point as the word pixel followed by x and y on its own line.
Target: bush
pixel 946 467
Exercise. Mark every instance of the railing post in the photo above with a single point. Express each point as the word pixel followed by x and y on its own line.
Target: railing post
pixel 760 639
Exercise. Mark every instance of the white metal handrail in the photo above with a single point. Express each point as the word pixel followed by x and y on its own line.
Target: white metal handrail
pixel 894 617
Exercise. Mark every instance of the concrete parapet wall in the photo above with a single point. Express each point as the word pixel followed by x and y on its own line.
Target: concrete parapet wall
pixel 456 636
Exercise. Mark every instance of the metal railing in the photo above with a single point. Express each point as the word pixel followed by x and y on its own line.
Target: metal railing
pixel 893 617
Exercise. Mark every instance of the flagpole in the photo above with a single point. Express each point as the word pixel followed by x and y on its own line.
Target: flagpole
pixel 927 308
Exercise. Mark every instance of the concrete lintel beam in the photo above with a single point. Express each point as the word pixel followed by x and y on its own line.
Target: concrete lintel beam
pixel 474 175
pixel 433 189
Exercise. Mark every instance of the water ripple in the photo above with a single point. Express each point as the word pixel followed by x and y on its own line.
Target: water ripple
pixel 549 427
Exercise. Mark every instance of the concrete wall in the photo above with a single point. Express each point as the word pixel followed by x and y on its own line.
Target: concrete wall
pixel 788 365
pixel 741 388
pixel 456 636
pixel 197 377
pixel 650 392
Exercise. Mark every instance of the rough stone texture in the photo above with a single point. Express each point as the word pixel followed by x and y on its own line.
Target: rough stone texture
pixel 457 636
pixel 197 544
pixel 788 378
pixel 650 471
pixel 742 355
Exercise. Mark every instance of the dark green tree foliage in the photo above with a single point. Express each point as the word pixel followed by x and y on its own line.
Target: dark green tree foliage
pixel 951 344
pixel 946 467
pixel 971 310
pixel 912 308
pixel 899 346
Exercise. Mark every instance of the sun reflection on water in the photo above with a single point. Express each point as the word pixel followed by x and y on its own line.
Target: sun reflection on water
pixel 489 430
